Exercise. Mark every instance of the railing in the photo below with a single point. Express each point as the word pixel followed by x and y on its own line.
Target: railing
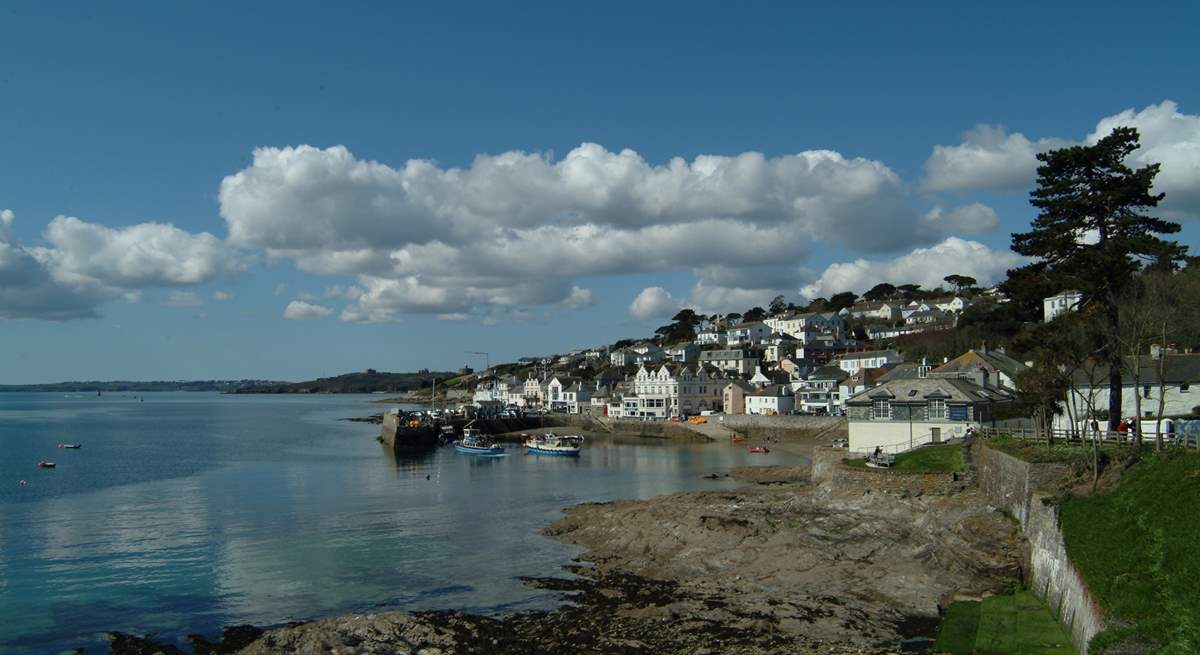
pixel 1118 437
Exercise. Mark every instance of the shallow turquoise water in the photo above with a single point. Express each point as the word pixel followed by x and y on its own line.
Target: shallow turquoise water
pixel 188 512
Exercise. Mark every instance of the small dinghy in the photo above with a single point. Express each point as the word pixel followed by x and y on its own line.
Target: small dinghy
pixel 70 446
pixel 46 465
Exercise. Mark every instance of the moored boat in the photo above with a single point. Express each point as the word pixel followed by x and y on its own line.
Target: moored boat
pixel 46 465
pixel 474 442
pixel 759 449
pixel 553 444
pixel 71 446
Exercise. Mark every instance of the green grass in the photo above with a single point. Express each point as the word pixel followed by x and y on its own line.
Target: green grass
pixel 945 458
pixel 1017 624
pixel 1037 452
pixel 1138 549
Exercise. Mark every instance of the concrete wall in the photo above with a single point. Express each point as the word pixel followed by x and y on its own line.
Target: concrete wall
pixel 1024 490
pixel 812 423
pixel 894 436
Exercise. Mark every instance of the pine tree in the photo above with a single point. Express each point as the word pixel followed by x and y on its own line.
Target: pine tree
pixel 1092 234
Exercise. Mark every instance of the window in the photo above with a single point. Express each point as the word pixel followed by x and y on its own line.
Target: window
pixel 881 409
pixel 1146 391
pixel 937 408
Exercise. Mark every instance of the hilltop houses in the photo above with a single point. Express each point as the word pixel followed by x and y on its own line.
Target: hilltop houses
pixel 731 360
pixel 1055 306
pixel 852 362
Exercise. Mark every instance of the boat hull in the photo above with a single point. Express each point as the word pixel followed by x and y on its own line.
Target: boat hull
pixel 560 452
pixel 475 450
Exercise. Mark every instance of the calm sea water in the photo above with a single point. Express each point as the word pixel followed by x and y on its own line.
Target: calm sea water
pixel 187 512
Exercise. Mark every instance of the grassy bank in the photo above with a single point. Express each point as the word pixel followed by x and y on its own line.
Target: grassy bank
pixel 1138 549
pixel 1018 624
pixel 928 459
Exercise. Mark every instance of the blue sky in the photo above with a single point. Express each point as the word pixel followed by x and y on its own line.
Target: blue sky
pixel 129 117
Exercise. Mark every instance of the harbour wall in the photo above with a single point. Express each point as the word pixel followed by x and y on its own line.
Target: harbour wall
pixel 1025 491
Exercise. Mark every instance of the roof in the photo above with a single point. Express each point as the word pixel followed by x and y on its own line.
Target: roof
pixel 708 355
pixel 748 324
pixel 772 391
pixel 901 371
pixel 742 384
pixel 867 353
pixel 867 376
pixel 1176 369
pixel 969 361
pixel 828 373
pixel 871 306
pixel 921 390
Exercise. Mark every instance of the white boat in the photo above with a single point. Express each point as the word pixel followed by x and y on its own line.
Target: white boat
pixel 474 442
pixel 553 444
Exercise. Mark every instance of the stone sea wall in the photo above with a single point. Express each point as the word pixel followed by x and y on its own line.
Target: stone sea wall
pixel 1024 491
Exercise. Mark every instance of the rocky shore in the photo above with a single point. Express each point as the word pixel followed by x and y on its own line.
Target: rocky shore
pixel 780 566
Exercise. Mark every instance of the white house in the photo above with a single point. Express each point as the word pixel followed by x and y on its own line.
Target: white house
pixel 772 399
pixel 925 317
pixel 819 393
pixel 711 337
pixel 621 357
pixel 748 334
pixel 951 305
pixel 803 326
pixel 684 353
pixel 1180 374
pixel 902 414
pixel 556 393
pixel 852 362
pixel 884 310
pixel 1064 302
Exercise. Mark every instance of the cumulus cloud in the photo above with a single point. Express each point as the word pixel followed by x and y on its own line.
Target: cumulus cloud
pixel 503 231
pixel 1169 138
pixel 988 158
pixel 924 266
pixel 86 265
pixel 654 302
pixel 578 298
pixel 299 310
pixel 975 218
pixel 183 299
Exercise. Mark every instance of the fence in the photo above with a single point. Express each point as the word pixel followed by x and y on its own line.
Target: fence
pixel 1181 433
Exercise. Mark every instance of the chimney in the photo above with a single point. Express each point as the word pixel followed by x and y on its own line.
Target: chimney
pixel 981 377
pixel 983 347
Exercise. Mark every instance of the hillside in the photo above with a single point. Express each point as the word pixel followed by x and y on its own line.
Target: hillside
pixel 360 382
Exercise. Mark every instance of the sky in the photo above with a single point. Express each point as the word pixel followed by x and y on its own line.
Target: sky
pixel 289 190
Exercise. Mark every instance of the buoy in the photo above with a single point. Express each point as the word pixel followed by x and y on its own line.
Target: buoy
pixel 23 483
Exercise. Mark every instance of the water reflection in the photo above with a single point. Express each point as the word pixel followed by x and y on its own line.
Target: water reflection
pixel 185 514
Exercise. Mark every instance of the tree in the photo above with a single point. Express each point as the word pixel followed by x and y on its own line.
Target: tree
pixel 1091 233
pixel 839 301
pixel 881 291
pixel 777 306
pixel 909 291
pixel 960 282
pixel 754 314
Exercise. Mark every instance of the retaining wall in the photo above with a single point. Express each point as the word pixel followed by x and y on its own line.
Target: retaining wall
pixel 1024 490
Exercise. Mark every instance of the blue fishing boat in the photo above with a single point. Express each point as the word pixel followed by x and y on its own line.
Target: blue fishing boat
pixel 474 442
pixel 553 444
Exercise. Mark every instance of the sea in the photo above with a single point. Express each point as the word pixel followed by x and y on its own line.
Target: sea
pixel 186 512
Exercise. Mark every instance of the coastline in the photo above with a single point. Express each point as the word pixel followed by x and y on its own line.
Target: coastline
pixel 779 564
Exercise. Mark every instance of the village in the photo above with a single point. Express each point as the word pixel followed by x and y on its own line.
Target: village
pixel 818 363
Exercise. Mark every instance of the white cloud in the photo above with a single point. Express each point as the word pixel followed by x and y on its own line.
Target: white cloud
pixel 988 158
pixel 1169 138
pixel 458 316
pixel 222 295
pixel 924 266
pixel 298 310
pixel 138 256
pixel 29 290
pixel 502 232
pixel 183 299
pixel 975 218
pixel 654 302
pixel 579 298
